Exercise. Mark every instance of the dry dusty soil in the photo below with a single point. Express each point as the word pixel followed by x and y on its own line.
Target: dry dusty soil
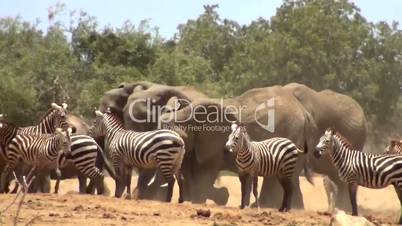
pixel 69 208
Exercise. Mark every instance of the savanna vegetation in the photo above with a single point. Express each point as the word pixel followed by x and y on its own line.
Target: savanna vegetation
pixel 324 44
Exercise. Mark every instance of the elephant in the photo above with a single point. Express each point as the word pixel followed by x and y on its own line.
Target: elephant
pixel 331 109
pixel 116 99
pixel 137 108
pixel 285 114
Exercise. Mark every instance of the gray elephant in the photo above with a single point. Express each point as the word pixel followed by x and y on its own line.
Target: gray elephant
pixel 153 98
pixel 266 112
pixel 331 109
pixel 116 99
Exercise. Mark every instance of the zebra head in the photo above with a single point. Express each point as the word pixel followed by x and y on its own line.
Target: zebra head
pixel 58 116
pixel 394 147
pixel 64 141
pixel 98 128
pixel 326 142
pixel 235 139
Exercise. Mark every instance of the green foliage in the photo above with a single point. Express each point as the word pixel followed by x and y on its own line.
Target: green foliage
pixel 324 44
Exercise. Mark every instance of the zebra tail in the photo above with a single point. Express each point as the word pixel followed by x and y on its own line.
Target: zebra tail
pixel 108 166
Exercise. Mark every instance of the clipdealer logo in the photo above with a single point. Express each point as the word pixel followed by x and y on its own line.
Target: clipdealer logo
pixel 206 117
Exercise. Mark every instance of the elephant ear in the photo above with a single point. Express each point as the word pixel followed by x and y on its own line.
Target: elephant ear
pixel 209 140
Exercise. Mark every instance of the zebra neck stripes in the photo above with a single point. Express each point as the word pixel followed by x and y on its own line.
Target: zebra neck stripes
pixel 113 125
pixel 245 152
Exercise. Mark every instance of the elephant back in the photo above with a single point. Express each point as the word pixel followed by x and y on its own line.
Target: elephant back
pixel 80 127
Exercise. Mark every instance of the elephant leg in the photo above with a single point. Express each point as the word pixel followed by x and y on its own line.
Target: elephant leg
pixel 271 193
pixel 149 192
pixel 3 182
pixel 342 197
pixel 398 191
pixel 203 186
pixel 287 186
pixel 245 181
pixel 46 186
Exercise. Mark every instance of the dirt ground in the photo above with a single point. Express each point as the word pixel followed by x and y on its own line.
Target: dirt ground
pixel 70 208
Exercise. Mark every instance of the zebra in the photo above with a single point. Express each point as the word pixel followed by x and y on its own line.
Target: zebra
pixel 272 157
pixel 55 117
pixel 394 147
pixel 40 151
pixel 359 168
pixel 163 149
pixel 83 155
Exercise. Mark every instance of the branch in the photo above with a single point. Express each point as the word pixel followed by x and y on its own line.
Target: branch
pixel 25 187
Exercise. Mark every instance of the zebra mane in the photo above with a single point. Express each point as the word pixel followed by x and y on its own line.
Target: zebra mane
pixel 117 119
pixel 49 112
pixel 245 134
pixel 10 124
pixel 344 141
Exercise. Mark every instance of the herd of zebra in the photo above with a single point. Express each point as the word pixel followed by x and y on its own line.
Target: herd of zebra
pixel 52 144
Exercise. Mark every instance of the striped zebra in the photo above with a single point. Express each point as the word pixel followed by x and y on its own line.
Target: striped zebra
pixel 394 147
pixel 359 168
pixel 163 149
pixel 83 155
pixel 39 151
pixel 55 117
pixel 272 157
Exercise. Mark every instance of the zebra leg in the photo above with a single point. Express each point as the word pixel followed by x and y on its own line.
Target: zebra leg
pixel 120 182
pixel 169 193
pixel 179 178
pixel 398 191
pixel 4 177
pixel 128 182
pixel 82 183
pixel 245 189
pixel 255 190
pixel 287 186
pixel 352 193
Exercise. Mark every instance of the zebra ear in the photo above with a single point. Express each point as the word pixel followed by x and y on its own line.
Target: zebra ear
pixel 70 130
pixel 1 116
pixel 1 125
pixel 331 130
pixel 108 110
pixel 98 113
pixel 56 107
pixel 59 131
pixel 64 105
pixel 233 126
